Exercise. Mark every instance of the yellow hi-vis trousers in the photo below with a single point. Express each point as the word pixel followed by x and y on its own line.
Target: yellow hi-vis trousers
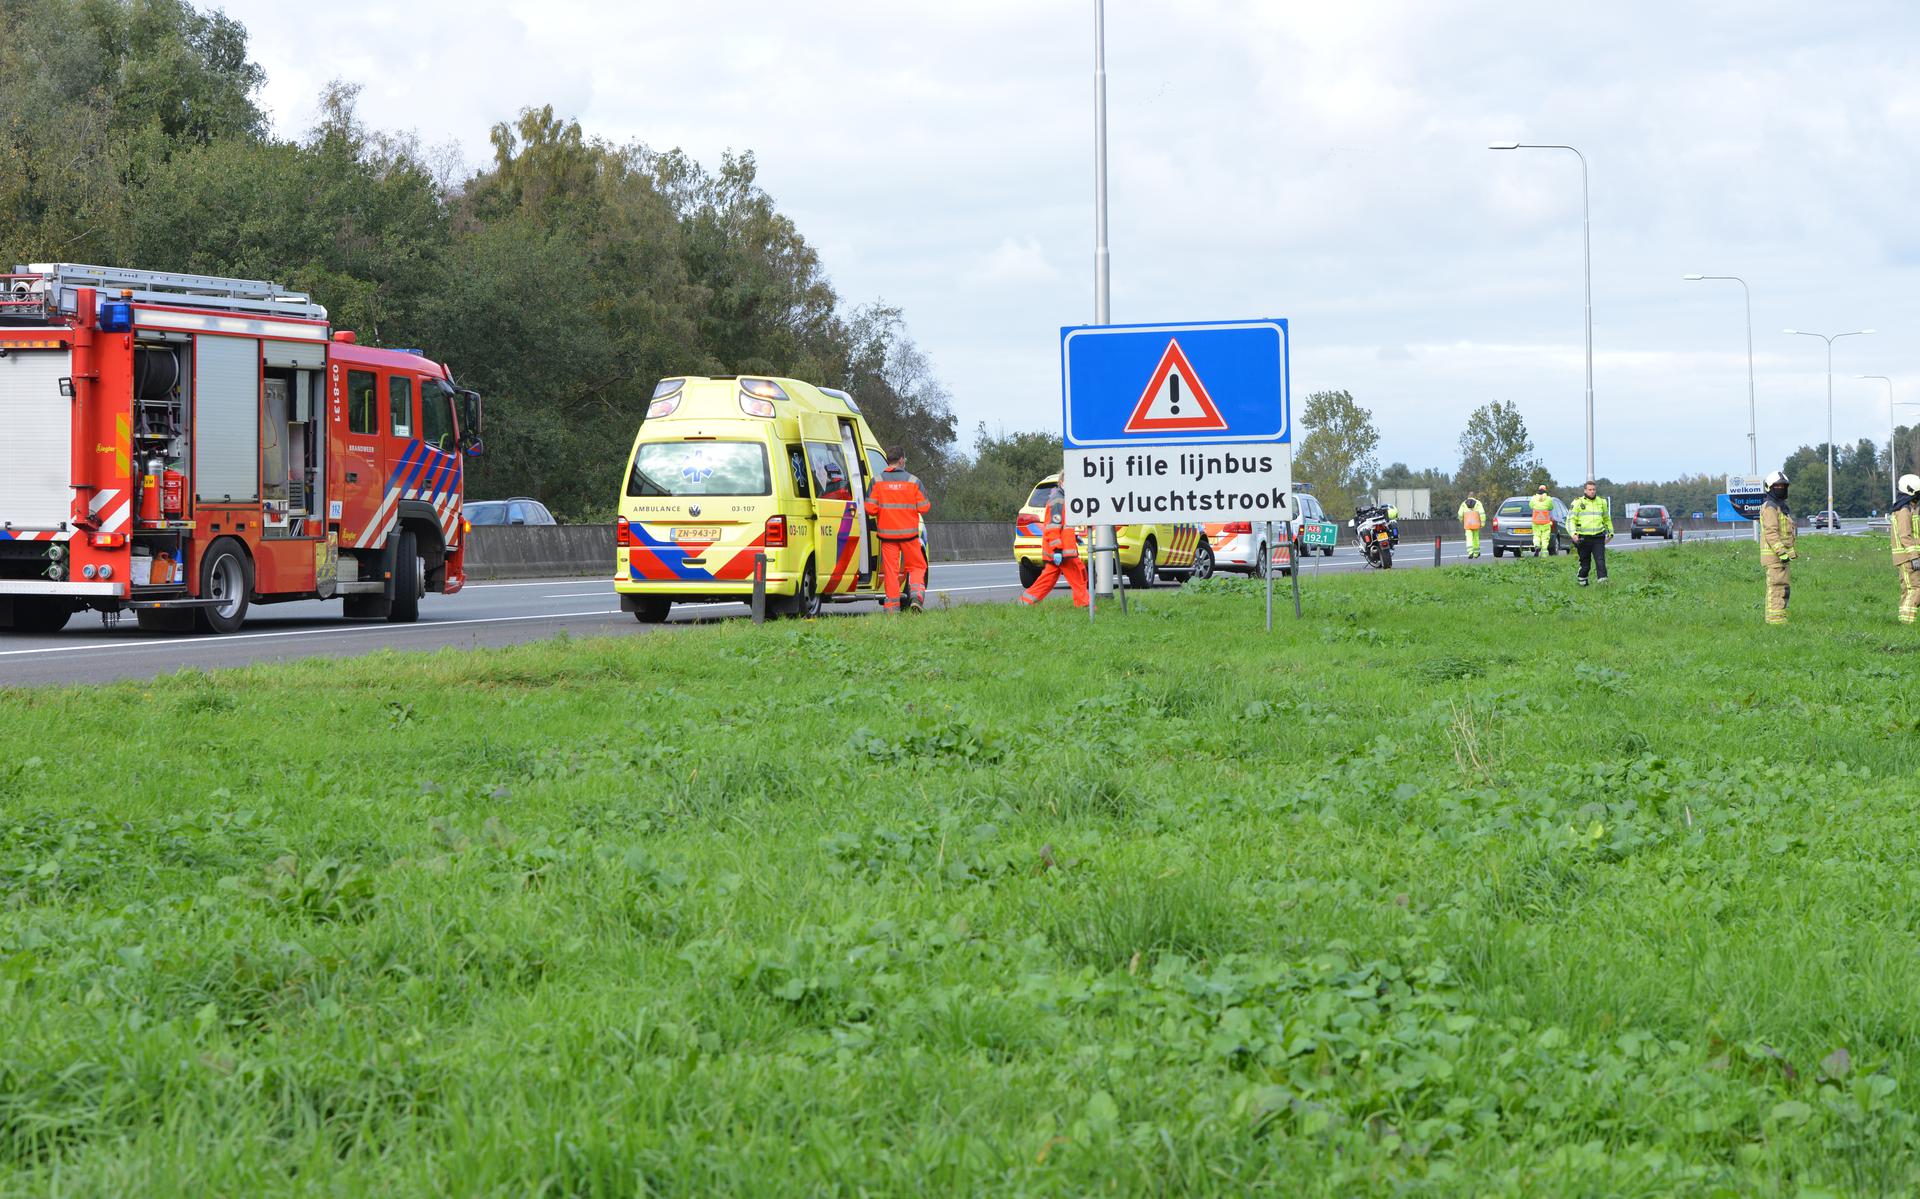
pixel 1542 537
pixel 1473 541
pixel 1779 587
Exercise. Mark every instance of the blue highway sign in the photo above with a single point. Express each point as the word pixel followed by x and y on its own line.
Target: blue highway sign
pixel 1175 384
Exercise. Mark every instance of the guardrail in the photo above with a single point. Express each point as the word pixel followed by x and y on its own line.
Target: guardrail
pixel 548 551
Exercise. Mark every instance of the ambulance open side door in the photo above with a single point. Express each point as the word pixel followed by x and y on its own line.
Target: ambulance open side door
pixel 863 488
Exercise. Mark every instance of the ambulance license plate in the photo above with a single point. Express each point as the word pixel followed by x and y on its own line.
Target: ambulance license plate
pixel 697 533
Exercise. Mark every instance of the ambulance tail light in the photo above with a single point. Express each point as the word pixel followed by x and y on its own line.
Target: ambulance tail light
pixel 660 408
pixel 776 538
pixel 622 533
pixel 1238 528
pixel 754 406
pixel 107 541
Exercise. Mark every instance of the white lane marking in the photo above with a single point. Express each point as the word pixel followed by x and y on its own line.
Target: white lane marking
pixel 579 594
pixel 339 630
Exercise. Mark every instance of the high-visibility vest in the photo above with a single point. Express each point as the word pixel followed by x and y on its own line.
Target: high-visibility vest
pixel 1470 515
pixel 1590 516
pixel 898 503
pixel 1776 531
pixel 1542 506
pixel 1058 534
pixel 1906 539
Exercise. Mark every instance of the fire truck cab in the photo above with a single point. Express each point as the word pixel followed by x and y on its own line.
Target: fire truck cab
pixel 183 446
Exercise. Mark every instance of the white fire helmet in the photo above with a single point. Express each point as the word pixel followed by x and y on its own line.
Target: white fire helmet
pixel 1910 484
pixel 1777 479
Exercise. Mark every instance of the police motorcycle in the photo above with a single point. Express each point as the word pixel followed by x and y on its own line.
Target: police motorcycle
pixel 1377 535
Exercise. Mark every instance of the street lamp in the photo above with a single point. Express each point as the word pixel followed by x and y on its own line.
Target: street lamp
pixel 1586 233
pixel 1829 340
pixel 1753 428
pixel 1893 462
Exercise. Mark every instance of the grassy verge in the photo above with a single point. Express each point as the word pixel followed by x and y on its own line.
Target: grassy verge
pixel 1470 883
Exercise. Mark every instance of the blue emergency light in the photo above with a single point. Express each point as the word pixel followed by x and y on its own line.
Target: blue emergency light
pixel 116 316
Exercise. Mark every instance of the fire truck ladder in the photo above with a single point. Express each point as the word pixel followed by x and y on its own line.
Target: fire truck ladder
pixel 56 284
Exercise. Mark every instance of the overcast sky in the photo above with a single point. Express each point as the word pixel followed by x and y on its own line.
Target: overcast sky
pixel 1324 163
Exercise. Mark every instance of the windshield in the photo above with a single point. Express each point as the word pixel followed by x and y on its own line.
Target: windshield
pixel 1651 512
pixel 490 512
pixel 1040 496
pixel 689 468
pixel 1514 508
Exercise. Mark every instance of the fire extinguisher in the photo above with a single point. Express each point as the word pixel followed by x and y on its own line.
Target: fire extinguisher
pixel 150 492
pixel 173 493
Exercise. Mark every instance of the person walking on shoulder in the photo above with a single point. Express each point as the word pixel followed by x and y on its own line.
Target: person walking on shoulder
pixel 1590 520
pixel 1060 549
pixel 1472 516
pixel 899 502
pixel 1906 547
pixel 1542 505
pixel 1776 546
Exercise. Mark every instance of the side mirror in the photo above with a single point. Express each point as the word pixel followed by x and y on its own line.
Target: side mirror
pixel 471 417
pixel 475 447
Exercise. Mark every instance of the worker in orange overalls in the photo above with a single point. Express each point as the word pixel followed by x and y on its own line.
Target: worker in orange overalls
pixel 898 503
pixel 1060 546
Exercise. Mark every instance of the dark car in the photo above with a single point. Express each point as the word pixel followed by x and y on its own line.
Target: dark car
pixel 507 512
pixel 1824 520
pixel 1512 531
pixel 1652 520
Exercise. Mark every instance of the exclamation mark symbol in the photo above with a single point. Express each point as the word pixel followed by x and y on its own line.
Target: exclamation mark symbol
pixel 1173 391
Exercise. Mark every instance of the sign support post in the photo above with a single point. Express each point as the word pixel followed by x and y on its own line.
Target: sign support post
pixel 1269 573
pixel 1295 572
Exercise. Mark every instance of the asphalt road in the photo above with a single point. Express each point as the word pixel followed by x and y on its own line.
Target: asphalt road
pixel 503 613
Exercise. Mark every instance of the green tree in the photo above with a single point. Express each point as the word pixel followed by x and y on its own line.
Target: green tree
pixel 1000 475
pixel 1336 456
pixel 1496 454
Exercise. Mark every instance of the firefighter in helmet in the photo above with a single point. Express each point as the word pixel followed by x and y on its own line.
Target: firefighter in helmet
pixel 1906 547
pixel 1060 550
pixel 1542 505
pixel 1776 546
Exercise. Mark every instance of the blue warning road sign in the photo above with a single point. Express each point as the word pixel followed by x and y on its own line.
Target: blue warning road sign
pixel 1182 383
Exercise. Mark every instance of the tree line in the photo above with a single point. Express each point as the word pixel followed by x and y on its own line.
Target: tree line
pixel 563 279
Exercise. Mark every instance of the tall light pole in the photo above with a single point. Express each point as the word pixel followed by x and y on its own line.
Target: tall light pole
pixel 1893 461
pixel 1829 340
pixel 1586 234
pixel 1753 427
pixel 1104 542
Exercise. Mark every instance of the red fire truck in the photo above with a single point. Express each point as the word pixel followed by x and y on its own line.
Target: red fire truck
pixel 183 446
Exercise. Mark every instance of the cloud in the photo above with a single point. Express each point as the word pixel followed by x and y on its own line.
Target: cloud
pixel 1323 163
pixel 1013 263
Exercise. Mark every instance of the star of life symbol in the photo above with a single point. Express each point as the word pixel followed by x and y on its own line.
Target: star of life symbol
pixel 697 469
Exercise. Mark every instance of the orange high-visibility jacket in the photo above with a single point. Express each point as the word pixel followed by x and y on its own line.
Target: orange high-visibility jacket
pixel 898 504
pixel 1057 534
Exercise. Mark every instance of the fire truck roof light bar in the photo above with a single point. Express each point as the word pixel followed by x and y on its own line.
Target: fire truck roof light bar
pixel 258 297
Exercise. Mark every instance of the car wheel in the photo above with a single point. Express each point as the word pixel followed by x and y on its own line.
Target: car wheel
pixel 1147 573
pixel 1029 573
pixel 1202 562
pixel 653 610
pixel 1260 564
pixel 1636 534
pixel 226 578
pixel 1326 551
pixel 39 614
pixel 805 602
pixel 409 581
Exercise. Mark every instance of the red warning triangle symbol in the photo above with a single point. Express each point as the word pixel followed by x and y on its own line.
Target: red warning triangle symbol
pixel 1176 400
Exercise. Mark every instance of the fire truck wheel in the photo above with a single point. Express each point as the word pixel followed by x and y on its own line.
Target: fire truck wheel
pixel 409 576
pixel 39 615
pixel 225 576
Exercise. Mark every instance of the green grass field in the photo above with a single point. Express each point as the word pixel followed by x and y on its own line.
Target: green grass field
pixel 1470 883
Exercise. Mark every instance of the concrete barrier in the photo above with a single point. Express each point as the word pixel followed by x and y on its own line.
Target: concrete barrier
pixel 550 551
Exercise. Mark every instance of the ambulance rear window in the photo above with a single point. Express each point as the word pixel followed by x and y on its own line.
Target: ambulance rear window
pixel 1040 496
pixel 686 468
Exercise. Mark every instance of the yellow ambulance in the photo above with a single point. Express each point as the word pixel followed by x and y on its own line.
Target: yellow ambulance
pixel 1145 550
pixel 723 469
